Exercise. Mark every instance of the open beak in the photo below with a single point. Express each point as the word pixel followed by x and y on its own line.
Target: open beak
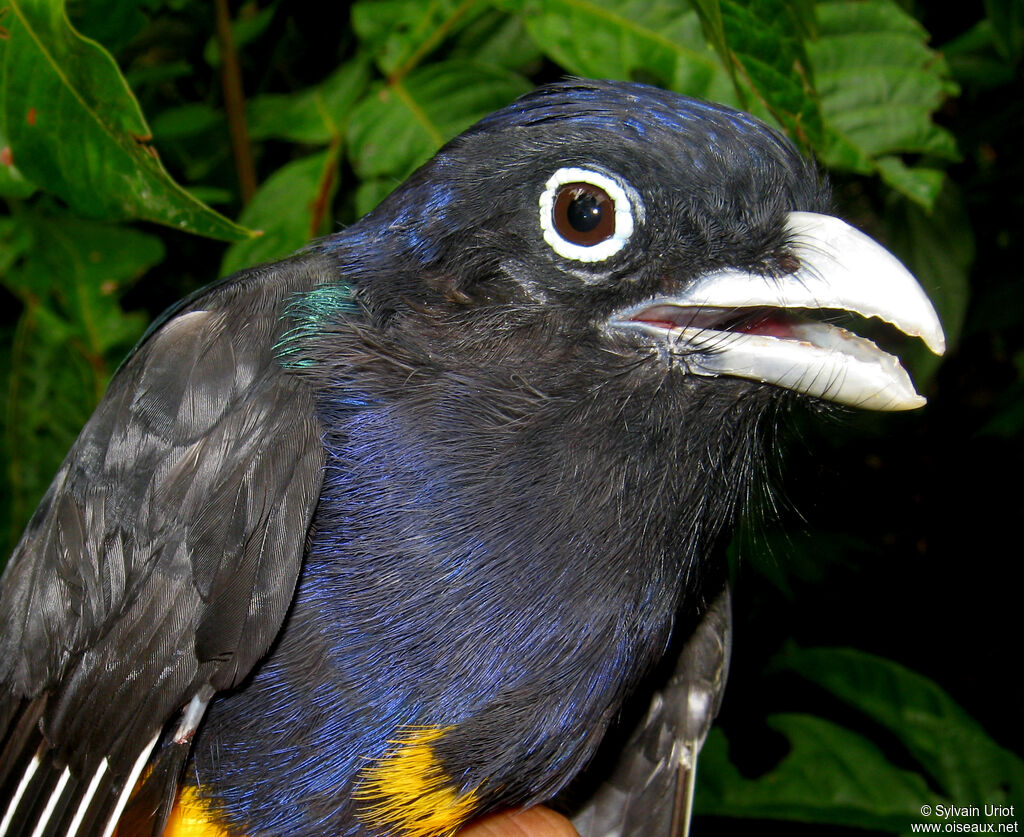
pixel 757 327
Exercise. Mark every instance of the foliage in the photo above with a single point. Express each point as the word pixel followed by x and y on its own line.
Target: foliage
pixel 835 775
pixel 335 107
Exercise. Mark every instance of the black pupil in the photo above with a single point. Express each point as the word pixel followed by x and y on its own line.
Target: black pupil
pixel 584 212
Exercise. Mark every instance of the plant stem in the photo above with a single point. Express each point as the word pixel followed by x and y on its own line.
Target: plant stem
pixel 234 103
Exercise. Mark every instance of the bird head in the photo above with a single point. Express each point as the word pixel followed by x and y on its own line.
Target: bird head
pixel 609 218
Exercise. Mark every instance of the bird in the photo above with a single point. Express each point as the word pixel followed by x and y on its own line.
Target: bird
pixel 384 536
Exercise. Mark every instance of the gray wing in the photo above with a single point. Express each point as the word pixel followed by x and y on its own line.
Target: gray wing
pixel 161 562
pixel 650 792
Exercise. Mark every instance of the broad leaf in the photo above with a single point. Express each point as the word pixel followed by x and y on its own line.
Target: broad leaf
pixel 401 33
pixel 244 30
pixel 74 125
pixel 191 120
pixel 290 208
pixel 15 240
pixel 975 61
pixel 879 85
pixel 830 776
pixel 657 42
pixel 710 14
pixel 372 191
pixel 113 23
pixel 765 41
pixel 1007 17
pixel 398 126
pixel 71 335
pixel 949 744
pixel 13 184
pixel 84 267
pixel 497 39
pixel 316 115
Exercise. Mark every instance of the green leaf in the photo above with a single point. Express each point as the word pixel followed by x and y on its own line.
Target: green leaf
pixel 1007 19
pixel 948 743
pixel 75 127
pixel 290 208
pixel 70 336
pixel 400 33
pixel 15 240
pixel 829 776
pixel 879 85
pixel 316 115
pixel 188 120
pixel 920 183
pixel 113 22
pixel 85 266
pixel 212 194
pixel 760 63
pixel 371 192
pixel 398 126
pixel 835 776
pixel 710 14
pixel 49 390
pixel 244 30
pixel 657 42
pixel 765 40
pixel 497 39
pixel 13 184
pixel 152 75
pixel 974 59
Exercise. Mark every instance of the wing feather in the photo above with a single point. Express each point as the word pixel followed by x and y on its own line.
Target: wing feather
pixel 162 560
pixel 650 790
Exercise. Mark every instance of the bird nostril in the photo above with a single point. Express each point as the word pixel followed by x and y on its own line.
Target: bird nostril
pixel 788 264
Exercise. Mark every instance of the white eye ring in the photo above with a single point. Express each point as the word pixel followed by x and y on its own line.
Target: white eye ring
pixel 625 204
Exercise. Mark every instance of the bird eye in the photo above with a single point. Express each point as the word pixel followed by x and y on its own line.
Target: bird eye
pixel 585 215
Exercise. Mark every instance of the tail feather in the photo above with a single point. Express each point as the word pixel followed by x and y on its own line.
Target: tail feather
pixel 20 742
pixel 41 796
pixel 150 805
pixel 84 816
pixel 37 791
pixel 53 800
